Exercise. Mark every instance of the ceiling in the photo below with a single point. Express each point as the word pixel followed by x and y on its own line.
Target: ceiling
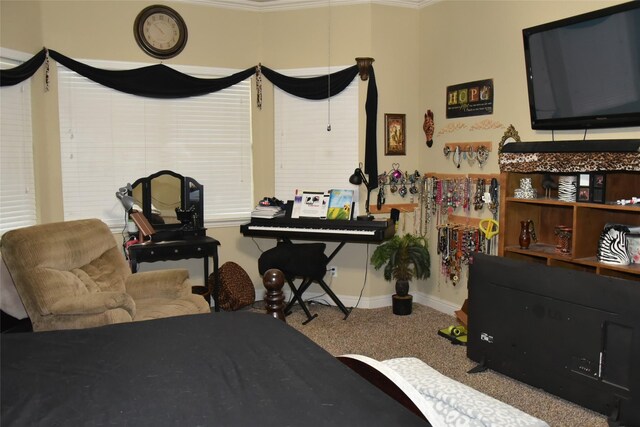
pixel 268 5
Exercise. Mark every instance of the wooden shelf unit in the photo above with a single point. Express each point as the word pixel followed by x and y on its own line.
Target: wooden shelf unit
pixel 586 219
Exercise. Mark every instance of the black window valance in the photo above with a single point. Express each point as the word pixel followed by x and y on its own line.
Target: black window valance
pixel 315 88
pixel 22 72
pixel 154 81
pixel 160 81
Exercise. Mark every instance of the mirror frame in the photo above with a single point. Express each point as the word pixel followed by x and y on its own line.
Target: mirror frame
pixel 512 133
pixel 187 186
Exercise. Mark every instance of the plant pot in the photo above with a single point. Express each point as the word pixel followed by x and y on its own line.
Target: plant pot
pixel 402 304
pixel 402 288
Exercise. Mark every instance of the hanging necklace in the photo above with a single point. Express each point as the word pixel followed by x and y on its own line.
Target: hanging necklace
pixel 478 202
pixel 493 190
pixel 457 157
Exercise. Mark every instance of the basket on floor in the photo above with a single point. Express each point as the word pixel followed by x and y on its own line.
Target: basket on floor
pixel 236 289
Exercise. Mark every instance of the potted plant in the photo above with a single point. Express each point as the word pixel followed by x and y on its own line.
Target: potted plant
pixel 403 257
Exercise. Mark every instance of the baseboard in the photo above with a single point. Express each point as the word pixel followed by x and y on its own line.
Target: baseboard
pixel 422 298
pixel 436 303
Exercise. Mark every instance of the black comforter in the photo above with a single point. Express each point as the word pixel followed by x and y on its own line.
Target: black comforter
pixel 222 369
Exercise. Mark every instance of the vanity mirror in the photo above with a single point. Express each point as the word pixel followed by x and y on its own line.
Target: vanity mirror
pixel 170 201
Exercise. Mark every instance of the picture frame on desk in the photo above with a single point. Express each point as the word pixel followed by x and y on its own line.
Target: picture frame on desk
pixel 591 187
pixel 598 186
pixel 584 188
pixel 340 204
pixel 145 228
pixel 583 194
pixel 310 204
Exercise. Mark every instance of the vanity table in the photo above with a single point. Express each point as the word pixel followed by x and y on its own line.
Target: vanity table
pixel 173 250
pixel 162 196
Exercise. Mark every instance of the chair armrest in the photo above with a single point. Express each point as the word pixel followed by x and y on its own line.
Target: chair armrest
pixel 98 302
pixel 170 283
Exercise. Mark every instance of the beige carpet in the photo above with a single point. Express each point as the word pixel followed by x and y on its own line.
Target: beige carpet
pixel 380 334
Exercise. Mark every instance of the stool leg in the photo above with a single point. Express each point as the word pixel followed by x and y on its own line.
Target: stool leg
pixel 305 285
pixel 335 298
pixel 297 296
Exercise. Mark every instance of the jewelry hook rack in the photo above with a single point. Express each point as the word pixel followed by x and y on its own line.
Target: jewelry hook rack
pixel 471 151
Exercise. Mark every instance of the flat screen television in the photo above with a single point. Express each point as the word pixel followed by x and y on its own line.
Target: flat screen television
pixel 584 71
pixel 572 333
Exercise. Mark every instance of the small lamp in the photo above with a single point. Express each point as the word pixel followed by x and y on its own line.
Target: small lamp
pixel 123 195
pixel 358 178
pixel 128 202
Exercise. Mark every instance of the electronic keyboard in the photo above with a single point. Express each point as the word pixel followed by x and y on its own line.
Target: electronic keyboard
pixel 320 229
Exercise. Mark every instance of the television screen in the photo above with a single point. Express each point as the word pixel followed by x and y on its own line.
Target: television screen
pixel 584 71
pixel 572 333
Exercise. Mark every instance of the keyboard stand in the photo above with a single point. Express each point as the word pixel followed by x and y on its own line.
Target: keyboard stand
pixel 297 296
pixel 335 251
pixel 341 231
pixel 301 260
pixel 306 282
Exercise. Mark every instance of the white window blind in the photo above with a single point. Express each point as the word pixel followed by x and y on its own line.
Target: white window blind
pixel 109 138
pixel 17 194
pixel 307 156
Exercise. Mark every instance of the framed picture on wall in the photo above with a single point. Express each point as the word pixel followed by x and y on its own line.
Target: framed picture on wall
pixel 394 135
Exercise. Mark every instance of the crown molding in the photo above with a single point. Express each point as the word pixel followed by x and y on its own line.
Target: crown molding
pixel 278 5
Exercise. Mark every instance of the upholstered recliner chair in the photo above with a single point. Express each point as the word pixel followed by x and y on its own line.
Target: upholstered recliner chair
pixel 72 275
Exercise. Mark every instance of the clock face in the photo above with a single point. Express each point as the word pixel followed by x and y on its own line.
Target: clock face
pixel 160 31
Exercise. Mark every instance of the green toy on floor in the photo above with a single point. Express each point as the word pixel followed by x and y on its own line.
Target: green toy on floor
pixel 456 334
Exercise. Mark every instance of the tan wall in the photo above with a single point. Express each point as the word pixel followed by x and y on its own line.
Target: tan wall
pixel 418 52
pixel 463 41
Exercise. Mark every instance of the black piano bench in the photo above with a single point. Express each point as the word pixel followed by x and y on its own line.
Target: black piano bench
pixel 300 260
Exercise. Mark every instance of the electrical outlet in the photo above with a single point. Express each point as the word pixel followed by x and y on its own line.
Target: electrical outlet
pixel 333 270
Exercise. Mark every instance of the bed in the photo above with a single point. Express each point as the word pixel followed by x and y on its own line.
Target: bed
pixel 223 369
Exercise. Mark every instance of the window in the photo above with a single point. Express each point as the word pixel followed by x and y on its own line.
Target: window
pixel 17 194
pixel 307 156
pixel 109 138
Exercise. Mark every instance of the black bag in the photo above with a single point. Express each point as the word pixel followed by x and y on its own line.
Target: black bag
pixel 296 259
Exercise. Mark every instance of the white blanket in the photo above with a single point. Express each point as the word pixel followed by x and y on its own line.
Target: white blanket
pixel 446 402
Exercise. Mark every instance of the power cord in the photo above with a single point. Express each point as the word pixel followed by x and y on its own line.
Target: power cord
pixel 312 301
pixel 366 271
pixel 124 237
pixel 257 246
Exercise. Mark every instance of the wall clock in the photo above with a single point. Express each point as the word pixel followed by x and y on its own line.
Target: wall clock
pixel 160 31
